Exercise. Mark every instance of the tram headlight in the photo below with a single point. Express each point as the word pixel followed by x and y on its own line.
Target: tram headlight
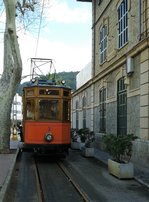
pixel 33 80
pixel 48 137
pixel 63 82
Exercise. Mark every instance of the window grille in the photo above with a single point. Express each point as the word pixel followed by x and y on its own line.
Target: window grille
pixel 77 115
pixel 103 44
pixel 121 107
pixel 84 111
pixel 102 109
pixel 123 23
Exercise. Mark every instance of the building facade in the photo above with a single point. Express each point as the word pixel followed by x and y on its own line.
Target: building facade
pixel 16 110
pixel 117 95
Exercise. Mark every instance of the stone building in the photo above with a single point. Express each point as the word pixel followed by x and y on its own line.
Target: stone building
pixel 116 98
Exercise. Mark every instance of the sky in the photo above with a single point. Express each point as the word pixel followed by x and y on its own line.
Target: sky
pixel 66 38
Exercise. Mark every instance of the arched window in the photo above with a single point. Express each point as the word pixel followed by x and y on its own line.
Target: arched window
pixel 123 23
pixel 121 107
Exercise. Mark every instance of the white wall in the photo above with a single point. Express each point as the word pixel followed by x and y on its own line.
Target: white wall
pixel 83 76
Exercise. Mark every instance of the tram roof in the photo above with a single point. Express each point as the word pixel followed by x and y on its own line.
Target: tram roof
pixel 46 83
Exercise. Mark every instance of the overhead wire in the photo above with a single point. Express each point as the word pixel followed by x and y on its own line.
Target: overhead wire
pixel 39 28
pixel 41 16
pixel 33 70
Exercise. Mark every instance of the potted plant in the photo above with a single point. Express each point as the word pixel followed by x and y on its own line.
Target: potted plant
pixel 120 148
pixel 76 139
pixel 83 133
pixel 88 149
pixel 74 135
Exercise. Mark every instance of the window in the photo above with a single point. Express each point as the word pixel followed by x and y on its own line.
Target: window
pixel 66 93
pixel 84 111
pixel 123 23
pixel 16 103
pixel 102 109
pixel 121 107
pixel 48 109
pixel 77 115
pixel 66 110
pixel 99 1
pixel 103 44
pixel 48 92
pixel 30 109
pixel 30 92
pixel 16 112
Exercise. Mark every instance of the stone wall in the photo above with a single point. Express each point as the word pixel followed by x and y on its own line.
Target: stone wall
pixel 141 153
pixel 111 118
pixel 133 115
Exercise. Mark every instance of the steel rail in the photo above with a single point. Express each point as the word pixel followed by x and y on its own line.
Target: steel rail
pixel 38 183
pixel 73 182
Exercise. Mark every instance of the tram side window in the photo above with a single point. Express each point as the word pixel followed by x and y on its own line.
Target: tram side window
pixel 48 109
pixel 30 109
pixel 66 110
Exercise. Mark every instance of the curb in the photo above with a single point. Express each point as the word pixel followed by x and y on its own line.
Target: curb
pixel 141 181
pixel 135 177
pixel 5 186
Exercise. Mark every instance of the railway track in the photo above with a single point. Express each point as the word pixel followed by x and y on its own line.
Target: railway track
pixel 43 179
pixel 46 179
pixel 74 183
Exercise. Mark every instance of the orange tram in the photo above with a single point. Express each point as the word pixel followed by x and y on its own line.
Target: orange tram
pixel 46 117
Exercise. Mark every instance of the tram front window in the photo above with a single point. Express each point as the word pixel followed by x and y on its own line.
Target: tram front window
pixel 66 110
pixel 30 106
pixel 48 109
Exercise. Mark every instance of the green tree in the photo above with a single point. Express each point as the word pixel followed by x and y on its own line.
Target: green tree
pixel 69 77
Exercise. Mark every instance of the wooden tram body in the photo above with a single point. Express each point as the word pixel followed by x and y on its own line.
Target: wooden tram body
pixel 46 117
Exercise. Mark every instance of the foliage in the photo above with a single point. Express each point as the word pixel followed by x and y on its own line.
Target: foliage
pixel 83 132
pixel 69 77
pixel 119 146
pixel 90 139
pixel 29 13
pixel 83 135
pixel 21 86
pixel 74 134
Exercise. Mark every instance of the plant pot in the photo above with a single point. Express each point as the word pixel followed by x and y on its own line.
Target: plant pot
pixel 121 170
pixel 87 152
pixel 77 145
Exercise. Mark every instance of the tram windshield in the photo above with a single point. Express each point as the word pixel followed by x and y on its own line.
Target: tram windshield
pixel 48 109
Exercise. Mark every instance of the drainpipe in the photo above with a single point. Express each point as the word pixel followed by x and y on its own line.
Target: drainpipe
pixel 139 23
pixel 94 37
pixel 93 61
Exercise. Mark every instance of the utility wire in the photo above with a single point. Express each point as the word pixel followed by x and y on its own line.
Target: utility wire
pixel 39 28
